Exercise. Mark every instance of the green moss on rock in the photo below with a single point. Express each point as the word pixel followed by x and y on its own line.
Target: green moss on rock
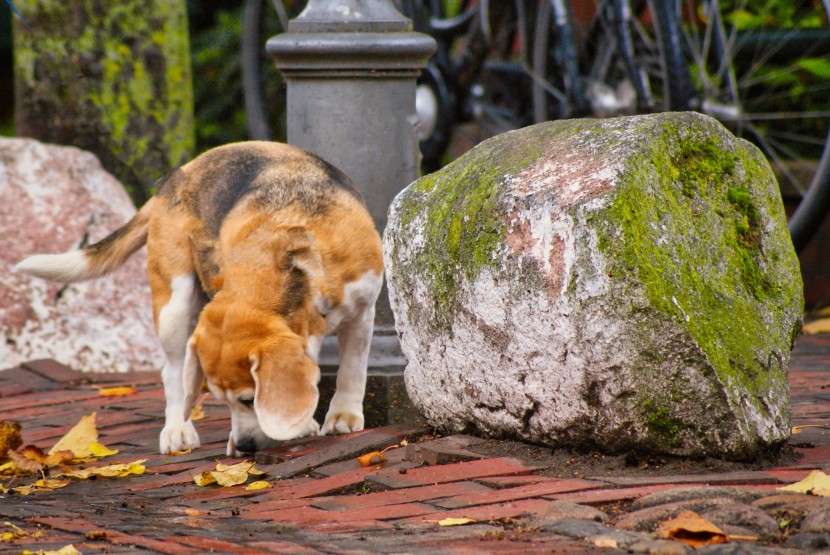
pixel 622 284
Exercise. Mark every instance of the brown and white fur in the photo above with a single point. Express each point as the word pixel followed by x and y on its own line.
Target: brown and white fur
pixel 255 251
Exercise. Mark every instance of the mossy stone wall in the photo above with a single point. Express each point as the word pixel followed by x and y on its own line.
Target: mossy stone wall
pixel 111 77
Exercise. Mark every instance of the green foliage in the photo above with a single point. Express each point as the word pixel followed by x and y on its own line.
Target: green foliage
pixel 217 83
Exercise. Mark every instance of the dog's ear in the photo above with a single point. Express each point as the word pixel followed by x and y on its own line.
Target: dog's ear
pixel 286 388
pixel 192 376
pixel 299 250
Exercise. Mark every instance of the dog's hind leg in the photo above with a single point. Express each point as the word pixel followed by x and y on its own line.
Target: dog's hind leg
pixel 176 320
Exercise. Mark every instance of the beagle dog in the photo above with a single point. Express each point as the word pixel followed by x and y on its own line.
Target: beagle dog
pixel 255 251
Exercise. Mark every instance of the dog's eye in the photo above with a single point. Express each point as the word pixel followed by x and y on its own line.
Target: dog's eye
pixel 247 402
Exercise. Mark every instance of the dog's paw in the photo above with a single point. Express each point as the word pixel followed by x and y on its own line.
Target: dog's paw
pixel 311 430
pixel 178 437
pixel 342 423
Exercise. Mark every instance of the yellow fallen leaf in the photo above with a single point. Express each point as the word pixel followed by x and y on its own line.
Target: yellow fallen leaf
pixel 116 391
pixel 455 521
pixel 78 438
pixel 198 413
pixel 7 468
pixel 46 484
pixel 816 482
pixel 136 468
pixel 204 479
pixel 17 533
pixel 65 550
pixel 228 475
pixel 692 529
pixel 232 475
pixel 99 451
pixel 10 437
pixel 258 485
pixel 817 326
pixel 798 429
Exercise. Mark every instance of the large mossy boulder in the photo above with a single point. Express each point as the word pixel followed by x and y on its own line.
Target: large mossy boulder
pixel 625 285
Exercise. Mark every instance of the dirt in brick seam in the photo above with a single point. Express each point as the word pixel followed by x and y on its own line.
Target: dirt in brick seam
pixel 569 463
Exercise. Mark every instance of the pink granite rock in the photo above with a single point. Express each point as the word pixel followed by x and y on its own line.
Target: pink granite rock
pixel 54 199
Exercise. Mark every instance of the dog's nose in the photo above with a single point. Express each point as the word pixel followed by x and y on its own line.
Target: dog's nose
pixel 246 445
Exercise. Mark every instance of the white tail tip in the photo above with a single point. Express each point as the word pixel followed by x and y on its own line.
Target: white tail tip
pixel 67 267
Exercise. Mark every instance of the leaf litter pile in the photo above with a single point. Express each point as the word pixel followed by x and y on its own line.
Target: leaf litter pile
pixel 69 459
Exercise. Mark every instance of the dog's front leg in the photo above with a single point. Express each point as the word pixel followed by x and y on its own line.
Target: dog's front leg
pixel 175 324
pixel 345 412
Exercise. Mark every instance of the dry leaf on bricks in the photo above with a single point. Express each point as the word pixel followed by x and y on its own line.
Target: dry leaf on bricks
pixel 116 391
pixel 816 482
pixel 17 533
pixel 46 484
pixel 228 475
pixel 816 326
pixel 9 437
pixel 455 521
pixel 692 529
pixel 78 438
pixel 135 468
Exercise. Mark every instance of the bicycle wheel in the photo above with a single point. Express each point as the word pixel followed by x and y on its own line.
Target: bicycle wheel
pixel 262 85
pixel 762 69
pixel 600 62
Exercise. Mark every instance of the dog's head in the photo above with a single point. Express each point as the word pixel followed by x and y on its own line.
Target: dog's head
pixel 259 367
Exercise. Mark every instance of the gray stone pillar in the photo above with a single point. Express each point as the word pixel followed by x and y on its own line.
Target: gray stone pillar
pixel 350 67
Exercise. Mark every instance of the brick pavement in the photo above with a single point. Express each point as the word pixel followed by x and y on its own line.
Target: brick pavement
pixel 319 499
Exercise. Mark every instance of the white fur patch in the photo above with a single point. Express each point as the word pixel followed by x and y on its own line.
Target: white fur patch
pixel 66 268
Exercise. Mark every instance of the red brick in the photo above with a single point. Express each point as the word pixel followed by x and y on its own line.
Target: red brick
pixel 56 372
pixel 301 516
pixel 511 481
pixel 261 510
pixel 342 447
pixel 716 478
pixel 449 473
pixel 789 475
pixel 483 512
pixel 443 450
pixel 394 457
pixel 283 548
pixel 18 381
pixel 321 486
pixel 277 490
pixel 813 457
pixel 37 402
pixel 394 497
pixel 167 547
pixel 612 494
pixel 67 524
pixel 337 527
pixel 209 545
pixel 520 492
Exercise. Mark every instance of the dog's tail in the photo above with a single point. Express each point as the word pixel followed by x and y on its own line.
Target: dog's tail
pixel 95 260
